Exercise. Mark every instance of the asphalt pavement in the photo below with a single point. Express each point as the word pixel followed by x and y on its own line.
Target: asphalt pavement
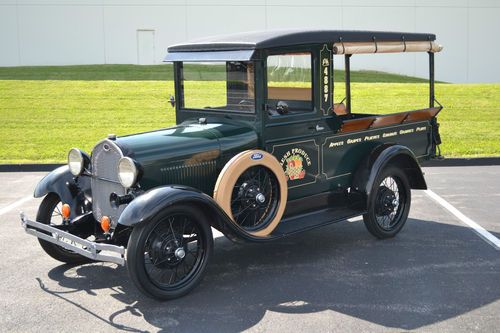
pixel 438 274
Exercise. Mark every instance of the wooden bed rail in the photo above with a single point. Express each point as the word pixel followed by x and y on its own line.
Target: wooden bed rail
pixel 359 124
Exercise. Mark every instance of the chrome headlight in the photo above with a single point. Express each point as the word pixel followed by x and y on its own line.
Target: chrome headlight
pixel 76 161
pixel 128 172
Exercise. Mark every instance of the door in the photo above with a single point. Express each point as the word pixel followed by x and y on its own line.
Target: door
pixel 145 47
pixel 293 129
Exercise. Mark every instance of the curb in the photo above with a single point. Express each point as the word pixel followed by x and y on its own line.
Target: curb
pixel 461 162
pixel 28 167
pixel 445 162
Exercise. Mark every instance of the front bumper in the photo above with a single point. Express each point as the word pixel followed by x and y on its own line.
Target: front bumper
pixel 91 250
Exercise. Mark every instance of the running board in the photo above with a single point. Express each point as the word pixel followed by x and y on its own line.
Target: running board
pixel 313 220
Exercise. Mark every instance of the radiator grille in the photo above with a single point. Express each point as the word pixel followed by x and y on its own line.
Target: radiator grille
pixel 105 158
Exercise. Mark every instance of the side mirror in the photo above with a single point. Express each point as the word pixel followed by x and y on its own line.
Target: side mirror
pixel 172 101
pixel 282 107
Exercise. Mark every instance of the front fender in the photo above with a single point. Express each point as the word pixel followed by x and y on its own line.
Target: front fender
pixel 149 204
pixel 379 158
pixel 70 191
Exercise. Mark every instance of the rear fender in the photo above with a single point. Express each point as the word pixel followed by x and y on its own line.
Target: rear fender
pixel 74 191
pixel 147 205
pixel 382 156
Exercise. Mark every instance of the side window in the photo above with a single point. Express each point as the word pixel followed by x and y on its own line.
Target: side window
pixel 216 86
pixel 289 83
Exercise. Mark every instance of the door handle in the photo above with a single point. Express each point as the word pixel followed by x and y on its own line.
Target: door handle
pixel 316 128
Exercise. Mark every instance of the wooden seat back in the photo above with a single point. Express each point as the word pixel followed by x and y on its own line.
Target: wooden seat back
pixel 289 93
pixel 424 114
pixel 359 124
pixel 388 120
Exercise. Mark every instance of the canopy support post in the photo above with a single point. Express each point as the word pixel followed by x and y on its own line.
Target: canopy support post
pixel 431 80
pixel 348 82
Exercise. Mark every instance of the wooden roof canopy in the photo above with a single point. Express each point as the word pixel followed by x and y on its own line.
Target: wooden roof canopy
pixel 343 41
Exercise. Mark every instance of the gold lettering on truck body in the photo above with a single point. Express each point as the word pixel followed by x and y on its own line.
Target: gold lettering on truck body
pixel 351 141
pixel 336 144
pixel 408 131
pixel 388 135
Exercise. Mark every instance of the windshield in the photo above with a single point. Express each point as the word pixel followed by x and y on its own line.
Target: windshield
pixel 220 86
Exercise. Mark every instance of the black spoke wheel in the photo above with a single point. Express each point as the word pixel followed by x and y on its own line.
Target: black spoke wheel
pixel 49 213
pixel 255 198
pixel 167 256
pixel 388 204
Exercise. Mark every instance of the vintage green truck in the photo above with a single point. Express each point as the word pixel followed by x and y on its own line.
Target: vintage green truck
pixel 260 151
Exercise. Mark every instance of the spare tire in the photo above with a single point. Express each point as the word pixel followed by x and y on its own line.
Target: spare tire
pixel 252 190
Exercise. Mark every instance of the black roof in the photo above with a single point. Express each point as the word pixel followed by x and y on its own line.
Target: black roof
pixel 278 38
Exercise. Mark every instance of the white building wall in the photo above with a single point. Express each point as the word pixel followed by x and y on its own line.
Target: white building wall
pixel 67 32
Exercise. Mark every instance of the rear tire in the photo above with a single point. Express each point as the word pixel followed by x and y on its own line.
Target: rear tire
pixel 167 255
pixel 388 204
pixel 49 213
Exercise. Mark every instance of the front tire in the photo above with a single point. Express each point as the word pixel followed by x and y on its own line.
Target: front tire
pixel 388 204
pixel 167 255
pixel 49 213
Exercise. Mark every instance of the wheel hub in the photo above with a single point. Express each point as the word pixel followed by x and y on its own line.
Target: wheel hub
pixel 387 201
pixel 180 253
pixel 251 195
pixel 167 251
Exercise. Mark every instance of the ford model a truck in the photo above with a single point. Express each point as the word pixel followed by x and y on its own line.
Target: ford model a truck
pixel 260 150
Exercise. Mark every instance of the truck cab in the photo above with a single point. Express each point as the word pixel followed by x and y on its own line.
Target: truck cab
pixel 282 85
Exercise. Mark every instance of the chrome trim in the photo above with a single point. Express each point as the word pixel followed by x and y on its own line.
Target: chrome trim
pixel 239 55
pixel 79 245
pixel 110 142
pixel 81 160
pixel 105 179
pixel 136 171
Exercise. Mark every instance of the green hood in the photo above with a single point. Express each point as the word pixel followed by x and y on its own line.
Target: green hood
pixel 184 153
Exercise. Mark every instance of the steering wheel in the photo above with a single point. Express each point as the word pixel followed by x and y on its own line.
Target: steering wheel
pixel 245 102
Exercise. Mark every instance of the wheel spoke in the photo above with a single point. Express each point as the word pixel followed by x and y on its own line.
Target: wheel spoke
pixel 56 212
pixel 254 219
pixel 171 277
pixel 240 212
pixel 242 223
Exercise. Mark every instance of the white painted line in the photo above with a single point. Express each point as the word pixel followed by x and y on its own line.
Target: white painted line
pixel 15 204
pixel 483 233
pixel 216 233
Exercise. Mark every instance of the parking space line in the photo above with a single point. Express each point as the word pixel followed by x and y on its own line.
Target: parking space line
pixel 15 204
pixel 483 233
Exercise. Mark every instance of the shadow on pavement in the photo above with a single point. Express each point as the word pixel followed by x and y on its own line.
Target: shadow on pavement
pixel 429 273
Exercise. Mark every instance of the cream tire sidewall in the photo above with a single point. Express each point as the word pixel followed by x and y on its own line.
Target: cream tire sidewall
pixel 234 169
